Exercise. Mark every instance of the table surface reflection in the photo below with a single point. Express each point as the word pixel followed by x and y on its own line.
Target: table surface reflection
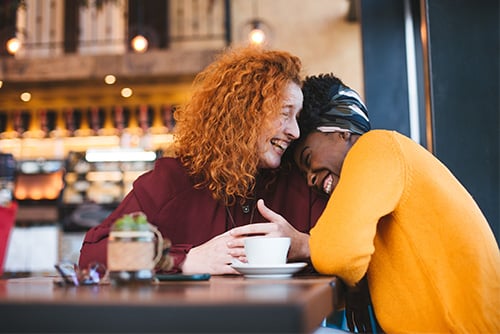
pixel 222 304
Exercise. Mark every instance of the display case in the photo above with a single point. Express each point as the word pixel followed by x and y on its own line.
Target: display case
pixel 38 187
pixel 96 181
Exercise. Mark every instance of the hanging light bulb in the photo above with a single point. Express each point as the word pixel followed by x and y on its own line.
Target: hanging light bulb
pixel 139 43
pixel 13 45
pixel 257 36
pixel 256 32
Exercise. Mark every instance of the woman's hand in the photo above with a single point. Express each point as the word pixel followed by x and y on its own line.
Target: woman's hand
pixel 276 227
pixel 214 256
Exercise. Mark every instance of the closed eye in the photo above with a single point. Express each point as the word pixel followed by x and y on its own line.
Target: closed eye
pixel 307 160
pixel 285 112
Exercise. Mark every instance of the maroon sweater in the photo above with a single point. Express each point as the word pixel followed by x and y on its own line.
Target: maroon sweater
pixel 190 217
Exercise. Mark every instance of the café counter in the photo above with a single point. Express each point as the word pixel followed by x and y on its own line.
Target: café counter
pixel 222 304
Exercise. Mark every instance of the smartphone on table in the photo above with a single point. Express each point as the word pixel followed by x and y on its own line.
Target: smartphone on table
pixel 183 277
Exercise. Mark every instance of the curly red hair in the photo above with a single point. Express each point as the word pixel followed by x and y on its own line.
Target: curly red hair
pixel 235 99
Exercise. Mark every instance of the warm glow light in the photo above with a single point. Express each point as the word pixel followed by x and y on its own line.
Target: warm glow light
pixel 99 155
pixel 139 43
pixel 1 83
pixel 126 92
pixel 257 36
pixel 110 79
pixel 103 176
pixel 51 193
pixel 25 97
pixel 13 45
pixel 36 194
pixel 21 193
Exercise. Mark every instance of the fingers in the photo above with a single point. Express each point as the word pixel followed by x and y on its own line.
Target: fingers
pixel 253 229
pixel 260 228
pixel 214 257
pixel 277 226
pixel 228 270
pixel 267 213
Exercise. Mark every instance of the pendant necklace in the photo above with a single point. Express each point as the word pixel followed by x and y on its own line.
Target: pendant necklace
pixel 246 210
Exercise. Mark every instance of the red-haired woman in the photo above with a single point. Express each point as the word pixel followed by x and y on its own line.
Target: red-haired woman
pixel 229 141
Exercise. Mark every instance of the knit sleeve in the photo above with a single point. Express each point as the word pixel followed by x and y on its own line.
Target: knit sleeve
pixel 370 187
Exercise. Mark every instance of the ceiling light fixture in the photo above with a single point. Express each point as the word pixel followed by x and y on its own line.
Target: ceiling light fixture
pixel 13 45
pixel 257 35
pixel 25 97
pixel 256 32
pixel 109 79
pixel 126 92
pixel 139 43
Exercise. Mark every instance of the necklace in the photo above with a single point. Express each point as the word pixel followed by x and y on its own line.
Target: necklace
pixel 246 209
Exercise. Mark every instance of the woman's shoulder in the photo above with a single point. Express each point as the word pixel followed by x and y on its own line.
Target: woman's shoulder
pixel 384 135
pixel 393 141
pixel 381 140
pixel 377 148
pixel 380 134
pixel 168 182
pixel 169 163
pixel 166 171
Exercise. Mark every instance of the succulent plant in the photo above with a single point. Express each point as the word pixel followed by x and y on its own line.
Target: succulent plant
pixel 136 221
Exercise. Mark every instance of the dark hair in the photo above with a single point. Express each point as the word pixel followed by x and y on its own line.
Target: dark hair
pixel 318 91
pixel 329 103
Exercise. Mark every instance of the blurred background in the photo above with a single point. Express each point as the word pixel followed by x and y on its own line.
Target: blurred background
pixel 88 89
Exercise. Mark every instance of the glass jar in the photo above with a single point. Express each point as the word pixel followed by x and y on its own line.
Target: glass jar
pixel 133 255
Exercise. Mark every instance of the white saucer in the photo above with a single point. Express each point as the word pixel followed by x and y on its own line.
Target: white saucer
pixel 269 271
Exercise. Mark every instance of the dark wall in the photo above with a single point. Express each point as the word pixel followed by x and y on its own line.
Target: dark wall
pixel 464 58
pixel 463 54
pixel 384 61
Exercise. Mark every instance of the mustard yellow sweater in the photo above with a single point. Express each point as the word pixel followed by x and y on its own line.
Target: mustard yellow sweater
pixel 400 215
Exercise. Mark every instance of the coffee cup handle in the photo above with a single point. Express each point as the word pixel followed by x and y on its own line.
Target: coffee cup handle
pixel 159 244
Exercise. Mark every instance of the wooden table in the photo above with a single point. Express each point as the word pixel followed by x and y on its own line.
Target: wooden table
pixel 222 304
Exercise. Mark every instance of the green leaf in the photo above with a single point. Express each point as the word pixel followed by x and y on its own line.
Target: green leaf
pixel 136 221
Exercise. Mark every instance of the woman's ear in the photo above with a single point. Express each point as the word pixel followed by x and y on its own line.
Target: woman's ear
pixel 345 135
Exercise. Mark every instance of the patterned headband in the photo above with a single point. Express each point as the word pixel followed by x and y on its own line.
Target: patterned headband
pixel 345 112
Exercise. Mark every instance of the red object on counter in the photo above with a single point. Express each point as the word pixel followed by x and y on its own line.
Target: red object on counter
pixel 7 219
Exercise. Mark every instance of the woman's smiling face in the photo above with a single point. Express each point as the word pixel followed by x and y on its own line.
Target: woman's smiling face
pixel 285 129
pixel 320 157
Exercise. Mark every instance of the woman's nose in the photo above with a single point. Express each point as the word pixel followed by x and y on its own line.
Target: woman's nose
pixel 292 129
pixel 311 179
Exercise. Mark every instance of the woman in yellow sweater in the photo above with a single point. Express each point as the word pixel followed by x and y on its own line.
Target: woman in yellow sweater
pixel 397 215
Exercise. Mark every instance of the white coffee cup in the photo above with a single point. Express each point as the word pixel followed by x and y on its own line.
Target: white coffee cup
pixel 266 250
